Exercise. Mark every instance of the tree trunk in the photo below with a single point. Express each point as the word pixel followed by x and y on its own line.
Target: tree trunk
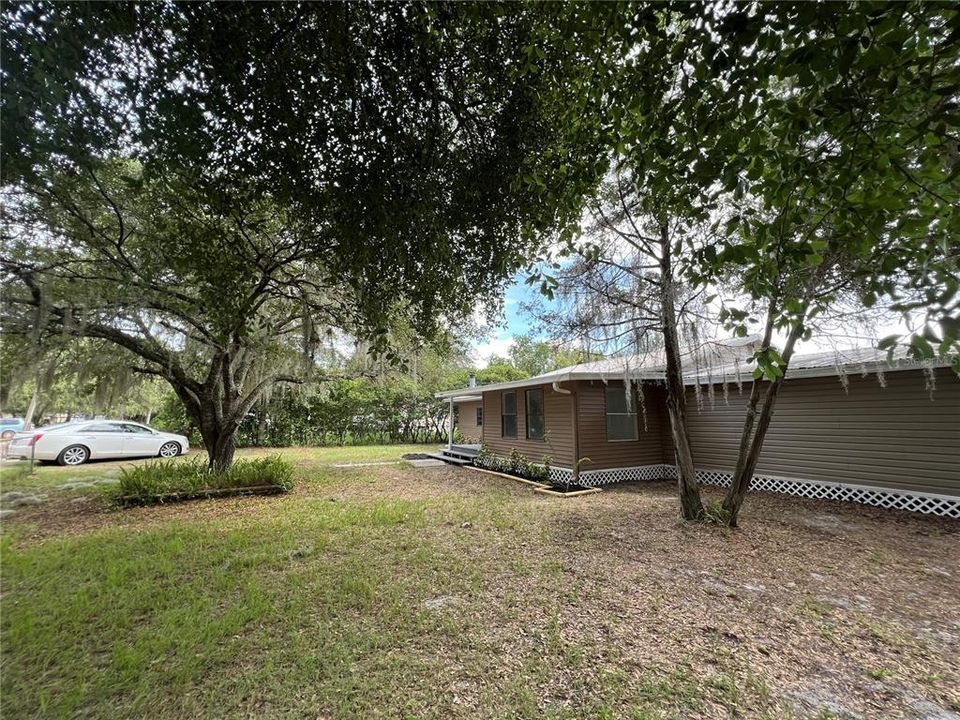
pixel 751 444
pixel 691 505
pixel 214 414
pixel 218 433
pixel 221 451
pixel 31 409
pixel 219 439
pixel 149 416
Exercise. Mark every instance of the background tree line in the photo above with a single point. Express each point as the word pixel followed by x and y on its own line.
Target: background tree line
pixel 370 401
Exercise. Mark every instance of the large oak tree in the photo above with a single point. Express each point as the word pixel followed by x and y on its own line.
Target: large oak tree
pixel 204 184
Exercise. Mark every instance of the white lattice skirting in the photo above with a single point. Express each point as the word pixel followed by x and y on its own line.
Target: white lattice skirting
pixel 919 502
pixel 592 478
pixel 926 503
pixel 561 475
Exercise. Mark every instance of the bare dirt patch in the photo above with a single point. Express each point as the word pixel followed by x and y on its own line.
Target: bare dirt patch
pixel 857 603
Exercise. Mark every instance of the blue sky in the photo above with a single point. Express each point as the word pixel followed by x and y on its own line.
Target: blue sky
pixel 515 322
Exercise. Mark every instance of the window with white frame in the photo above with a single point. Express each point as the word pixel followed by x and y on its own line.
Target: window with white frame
pixel 535 421
pixel 508 415
pixel 621 415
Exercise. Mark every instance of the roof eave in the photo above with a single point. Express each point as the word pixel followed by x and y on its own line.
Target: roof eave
pixel 865 368
pixel 547 379
pixel 694 379
pixel 510 385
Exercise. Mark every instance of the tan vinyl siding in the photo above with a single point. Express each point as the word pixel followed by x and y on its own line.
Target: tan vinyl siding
pixel 647 449
pixel 892 437
pixel 558 422
pixel 467 421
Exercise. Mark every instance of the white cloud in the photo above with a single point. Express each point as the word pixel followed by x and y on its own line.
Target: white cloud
pixel 482 352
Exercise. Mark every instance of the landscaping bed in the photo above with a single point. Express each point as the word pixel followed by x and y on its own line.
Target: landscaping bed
pixel 518 467
pixel 565 490
pixel 127 500
pixel 167 481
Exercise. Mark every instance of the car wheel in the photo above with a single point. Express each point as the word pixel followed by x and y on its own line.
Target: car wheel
pixel 74 455
pixel 7 434
pixel 169 450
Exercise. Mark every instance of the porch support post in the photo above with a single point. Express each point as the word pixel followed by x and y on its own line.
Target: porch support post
pixel 450 427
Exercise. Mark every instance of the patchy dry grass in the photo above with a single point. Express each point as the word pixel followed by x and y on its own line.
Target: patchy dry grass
pixel 444 593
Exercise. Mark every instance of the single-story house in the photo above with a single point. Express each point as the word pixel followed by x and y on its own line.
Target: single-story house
pixel 851 425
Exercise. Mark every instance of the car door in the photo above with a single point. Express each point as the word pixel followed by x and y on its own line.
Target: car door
pixel 105 439
pixel 139 441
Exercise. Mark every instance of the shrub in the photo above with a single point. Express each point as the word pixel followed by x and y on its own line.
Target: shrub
pixel 516 464
pixel 715 514
pixel 153 480
pixel 486 459
pixel 271 470
pixel 540 473
pixel 519 465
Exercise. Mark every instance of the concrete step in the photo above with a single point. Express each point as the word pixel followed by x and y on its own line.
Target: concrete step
pixel 449 458
pixel 459 456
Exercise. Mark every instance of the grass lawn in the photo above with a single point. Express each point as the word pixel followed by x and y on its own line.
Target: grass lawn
pixel 389 591
pixel 49 476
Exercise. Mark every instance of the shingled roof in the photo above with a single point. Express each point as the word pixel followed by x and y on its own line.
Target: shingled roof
pixel 724 361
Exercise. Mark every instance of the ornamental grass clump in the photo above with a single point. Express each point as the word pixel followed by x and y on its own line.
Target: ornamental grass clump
pixel 165 480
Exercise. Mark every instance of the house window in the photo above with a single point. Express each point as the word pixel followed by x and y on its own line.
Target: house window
pixel 535 414
pixel 479 417
pixel 621 417
pixel 508 415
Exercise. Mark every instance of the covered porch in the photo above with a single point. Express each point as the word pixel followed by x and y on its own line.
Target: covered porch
pixel 463 452
pixel 453 398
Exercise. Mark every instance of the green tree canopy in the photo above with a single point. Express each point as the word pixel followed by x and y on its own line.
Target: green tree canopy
pixel 206 185
pixel 401 133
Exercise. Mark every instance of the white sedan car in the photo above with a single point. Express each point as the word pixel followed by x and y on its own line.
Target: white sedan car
pixel 76 442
